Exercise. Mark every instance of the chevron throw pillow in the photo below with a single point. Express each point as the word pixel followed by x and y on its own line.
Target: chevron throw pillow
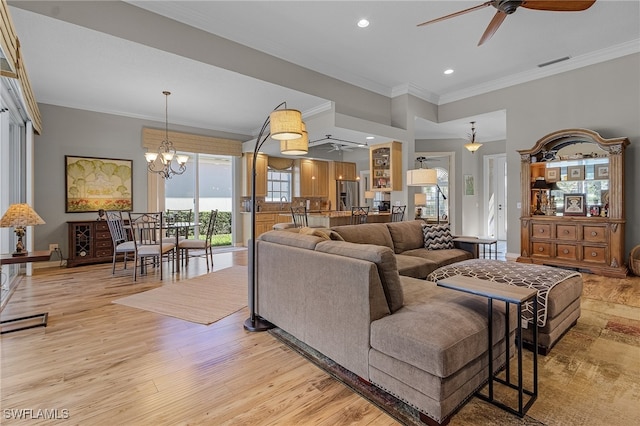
pixel 437 237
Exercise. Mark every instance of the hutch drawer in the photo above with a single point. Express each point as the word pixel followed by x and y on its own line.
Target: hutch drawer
pixel 566 232
pixel 595 234
pixel 594 254
pixel 541 230
pixel 566 251
pixel 541 249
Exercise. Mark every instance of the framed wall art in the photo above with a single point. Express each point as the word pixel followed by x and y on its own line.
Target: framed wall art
pixel 601 171
pixel 574 205
pixel 575 173
pixel 468 185
pixel 552 174
pixel 94 184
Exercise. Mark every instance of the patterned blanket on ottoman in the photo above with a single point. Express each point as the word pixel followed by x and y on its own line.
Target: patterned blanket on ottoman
pixel 541 278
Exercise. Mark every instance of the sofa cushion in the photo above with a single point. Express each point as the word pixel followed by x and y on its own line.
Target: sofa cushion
pixel 366 233
pixel 414 266
pixel 440 257
pixel 406 235
pixel 437 237
pixel 421 333
pixel 294 239
pixel 384 259
pixel 325 233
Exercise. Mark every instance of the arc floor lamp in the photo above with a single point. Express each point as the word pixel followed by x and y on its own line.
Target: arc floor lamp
pixel 285 125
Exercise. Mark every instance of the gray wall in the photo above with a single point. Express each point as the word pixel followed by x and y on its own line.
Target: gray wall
pixel 68 131
pixel 604 97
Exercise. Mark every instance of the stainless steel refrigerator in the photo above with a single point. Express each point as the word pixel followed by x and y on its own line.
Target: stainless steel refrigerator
pixel 347 194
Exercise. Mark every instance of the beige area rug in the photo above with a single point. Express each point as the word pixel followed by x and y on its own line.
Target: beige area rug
pixel 203 300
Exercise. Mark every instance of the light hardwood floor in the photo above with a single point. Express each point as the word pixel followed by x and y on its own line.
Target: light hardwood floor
pixel 105 364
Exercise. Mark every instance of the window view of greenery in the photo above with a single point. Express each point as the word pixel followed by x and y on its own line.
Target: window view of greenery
pixel 214 184
pixel 278 185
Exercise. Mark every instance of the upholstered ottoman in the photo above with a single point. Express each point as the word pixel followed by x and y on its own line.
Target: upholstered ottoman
pixel 559 292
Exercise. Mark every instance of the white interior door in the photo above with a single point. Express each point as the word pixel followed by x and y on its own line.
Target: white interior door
pixel 495 183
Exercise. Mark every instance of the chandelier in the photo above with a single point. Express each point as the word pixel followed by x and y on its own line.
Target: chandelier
pixel 166 162
pixel 473 146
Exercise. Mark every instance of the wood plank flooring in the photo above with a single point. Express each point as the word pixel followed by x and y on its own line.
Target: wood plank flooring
pixel 101 363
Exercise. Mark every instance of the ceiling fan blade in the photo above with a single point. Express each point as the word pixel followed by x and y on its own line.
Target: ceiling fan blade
pixel 462 12
pixel 495 23
pixel 558 5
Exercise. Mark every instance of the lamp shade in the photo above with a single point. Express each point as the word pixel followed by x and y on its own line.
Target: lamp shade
pixel 20 215
pixel 472 146
pixel 422 177
pixel 285 124
pixel 298 146
pixel 540 183
pixel 369 195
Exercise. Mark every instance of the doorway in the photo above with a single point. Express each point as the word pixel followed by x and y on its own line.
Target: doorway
pixel 495 189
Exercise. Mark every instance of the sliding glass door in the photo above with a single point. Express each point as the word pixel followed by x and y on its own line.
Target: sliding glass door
pixel 211 178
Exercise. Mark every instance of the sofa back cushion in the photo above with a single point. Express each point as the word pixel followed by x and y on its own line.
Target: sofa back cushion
pixel 406 235
pixel 384 259
pixel 294 239
pixel 437 237
pixel 366 233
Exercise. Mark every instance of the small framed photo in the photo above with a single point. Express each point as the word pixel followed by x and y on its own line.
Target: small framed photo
pixel 575 173
pixel 574 205
pixel 601 171
pixel 594 210
pixel 552 174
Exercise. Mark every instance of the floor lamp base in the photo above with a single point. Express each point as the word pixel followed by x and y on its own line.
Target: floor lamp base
pixel 258 324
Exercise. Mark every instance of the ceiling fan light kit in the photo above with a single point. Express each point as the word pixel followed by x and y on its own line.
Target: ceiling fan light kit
pixel 508 7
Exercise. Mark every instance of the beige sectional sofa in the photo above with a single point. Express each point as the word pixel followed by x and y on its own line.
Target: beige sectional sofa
pixel 424 344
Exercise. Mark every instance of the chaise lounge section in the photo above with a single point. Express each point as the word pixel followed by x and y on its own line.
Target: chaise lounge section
pixel 424 344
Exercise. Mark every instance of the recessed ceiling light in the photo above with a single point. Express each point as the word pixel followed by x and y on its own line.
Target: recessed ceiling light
pixel 363 23
pixel 370 137
pixel 448 71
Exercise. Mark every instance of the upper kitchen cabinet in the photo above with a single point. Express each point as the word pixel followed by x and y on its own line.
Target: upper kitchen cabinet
pixel 313 178
pixel 261 174
pixel 386 166
pixel 344 171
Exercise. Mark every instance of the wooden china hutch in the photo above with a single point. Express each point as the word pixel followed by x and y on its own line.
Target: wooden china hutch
pixel 572 184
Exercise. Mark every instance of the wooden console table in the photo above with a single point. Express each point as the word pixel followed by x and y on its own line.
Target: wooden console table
pixel 508 294
pixel 32 256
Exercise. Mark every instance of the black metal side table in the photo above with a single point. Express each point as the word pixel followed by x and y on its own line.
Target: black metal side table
pixel 510 295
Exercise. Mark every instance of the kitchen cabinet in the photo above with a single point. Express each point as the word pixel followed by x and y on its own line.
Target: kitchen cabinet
pixel 344 171
pixel 264 223
pixel 386 167
pixel 261 174
pixel 313 178
pixel 574 167
pixel 89 242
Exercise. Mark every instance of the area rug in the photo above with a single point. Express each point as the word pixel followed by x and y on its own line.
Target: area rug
pixel 477 412
pixel 203 300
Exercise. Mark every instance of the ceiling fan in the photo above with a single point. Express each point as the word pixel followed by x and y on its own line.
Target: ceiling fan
pixel 337 144
pixel 507 7
pixel 338 147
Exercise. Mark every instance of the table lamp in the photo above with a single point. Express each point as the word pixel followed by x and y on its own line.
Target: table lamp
pixel 539 185
pixel 419 199
pixel 19 216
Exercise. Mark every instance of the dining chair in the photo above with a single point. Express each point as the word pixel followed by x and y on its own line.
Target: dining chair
pixel 188 245
pixel 359 214
pixel 148 241
pixel 175 216
pixel 299 215
pixel 120 236
pixel 397 213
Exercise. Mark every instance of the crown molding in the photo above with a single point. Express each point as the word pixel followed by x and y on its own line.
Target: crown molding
pixel 412 89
